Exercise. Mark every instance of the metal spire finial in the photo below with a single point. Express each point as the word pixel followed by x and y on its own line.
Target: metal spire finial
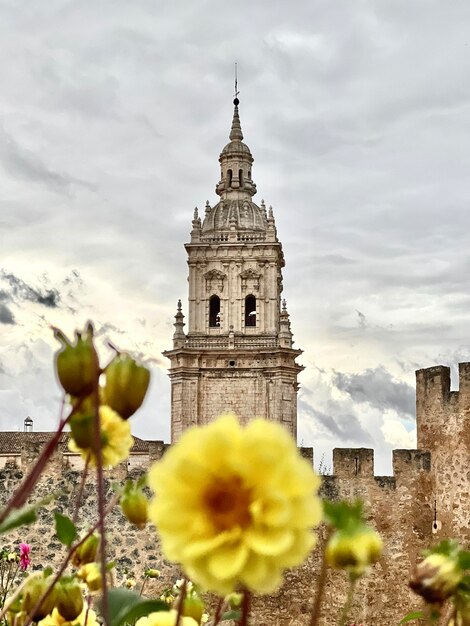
pixel 235 99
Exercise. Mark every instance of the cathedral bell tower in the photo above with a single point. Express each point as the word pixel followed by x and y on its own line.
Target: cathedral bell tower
pixel 237 353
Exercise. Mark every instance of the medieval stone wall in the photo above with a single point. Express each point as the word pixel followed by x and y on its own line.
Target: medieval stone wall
pixel 443 421
pixel 425 500
pixel 399 507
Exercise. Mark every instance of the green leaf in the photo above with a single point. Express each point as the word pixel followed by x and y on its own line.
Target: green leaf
pixel 65 529
pixel 412 616
pixel 448 547
pixel 126 606
pixel 464 559
pixel 235 614
pixel 18 517
pixel 343 515
pixel 23 516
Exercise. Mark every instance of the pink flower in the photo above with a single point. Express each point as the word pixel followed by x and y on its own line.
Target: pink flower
pixel 24 555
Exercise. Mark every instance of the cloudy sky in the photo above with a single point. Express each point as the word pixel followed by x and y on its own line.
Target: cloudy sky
pixel 112 116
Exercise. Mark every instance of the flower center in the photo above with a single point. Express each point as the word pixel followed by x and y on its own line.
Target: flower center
pixel 227 503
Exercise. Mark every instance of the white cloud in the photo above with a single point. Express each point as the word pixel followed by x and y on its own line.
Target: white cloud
pixel 396 435
pixel 112 119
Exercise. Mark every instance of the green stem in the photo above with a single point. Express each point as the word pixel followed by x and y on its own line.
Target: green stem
pixel 181 602
pixel 18 592
pixel 101 502
pixel 348 603
pixel 143 586
pixel 315 619
pixel 24 490
pixel 80 490
pixel 245 608
pixel 62 569
pixel 218 611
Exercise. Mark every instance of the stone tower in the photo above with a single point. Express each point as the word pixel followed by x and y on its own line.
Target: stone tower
pixel 237 354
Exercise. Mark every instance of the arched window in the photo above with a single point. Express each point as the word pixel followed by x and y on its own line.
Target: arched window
pixel 240 177
pixel 229 178
pixel 250 311
pixel 214 312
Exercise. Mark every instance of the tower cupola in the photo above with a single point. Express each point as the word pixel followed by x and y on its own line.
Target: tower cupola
pixel 235 163
pixel 235 212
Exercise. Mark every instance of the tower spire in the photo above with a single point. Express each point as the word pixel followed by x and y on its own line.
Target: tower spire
pixel 236 130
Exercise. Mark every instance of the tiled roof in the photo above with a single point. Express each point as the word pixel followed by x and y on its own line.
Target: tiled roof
pixel 12 442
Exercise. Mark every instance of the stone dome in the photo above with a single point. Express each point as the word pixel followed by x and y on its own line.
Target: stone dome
pixel 236 147
pixel 239 214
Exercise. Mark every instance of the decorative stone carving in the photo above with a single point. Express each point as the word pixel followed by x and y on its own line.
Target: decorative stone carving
pixel 215 280
pixel 250 279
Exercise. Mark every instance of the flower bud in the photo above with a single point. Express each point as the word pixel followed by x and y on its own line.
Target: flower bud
pixel 437 577
pixel 16 619
pixel 234 600
pixel 354 551
pixel 126 385
pixel 86 552
pixel 69 599
pixel 90 573
pixel 33 591
pixel 193 606
pixel 77 364
pixel 82 428
pixel 152 573
pixel 134 505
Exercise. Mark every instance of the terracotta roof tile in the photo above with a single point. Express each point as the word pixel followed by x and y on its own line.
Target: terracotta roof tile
pixel 12 442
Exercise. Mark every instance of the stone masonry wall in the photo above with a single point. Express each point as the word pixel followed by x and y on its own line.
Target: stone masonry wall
pixel 425 500
pixel 399 507
pixel 443 421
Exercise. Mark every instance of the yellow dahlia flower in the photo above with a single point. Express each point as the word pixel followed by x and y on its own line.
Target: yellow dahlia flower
pixel 116 439
pixel 235 505
pixel 56 619
pixel 354 551
pixel 165 618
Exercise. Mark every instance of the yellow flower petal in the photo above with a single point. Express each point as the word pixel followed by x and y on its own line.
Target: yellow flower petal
pixel 269 541
pixel 228 561
pixel 235 505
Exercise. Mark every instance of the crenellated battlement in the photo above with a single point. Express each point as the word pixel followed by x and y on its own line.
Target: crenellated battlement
pixel 350 462
pixel 439 411
pixel 358 463
pixel 433 387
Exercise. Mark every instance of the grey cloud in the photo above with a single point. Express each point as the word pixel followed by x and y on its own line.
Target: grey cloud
pixel 6 316
pixel 22 162
pixel 344 427
pixel 378 388
pixel 361 319
pixel 22 291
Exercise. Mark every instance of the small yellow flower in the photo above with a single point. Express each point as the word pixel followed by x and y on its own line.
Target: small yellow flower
pixel 167 597
pixel 129 583
pixel 116 439
pixel 165 618
pixel 56 619
pixel 354 551
pixel 234 600
pixel 235 505
pixel 134 505
pixel 90 573
pixel 193 606
pixel 436 578
pixel 12 557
